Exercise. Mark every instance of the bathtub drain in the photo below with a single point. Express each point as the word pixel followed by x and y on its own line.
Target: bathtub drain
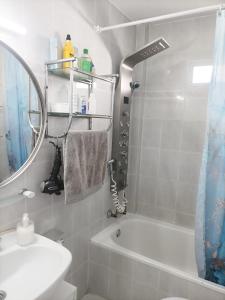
pixel 2 295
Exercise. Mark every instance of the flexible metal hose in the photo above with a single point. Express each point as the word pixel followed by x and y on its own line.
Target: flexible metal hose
pixel 120 207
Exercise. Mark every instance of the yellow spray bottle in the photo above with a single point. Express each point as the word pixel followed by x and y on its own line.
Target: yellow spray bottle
pixel 68 51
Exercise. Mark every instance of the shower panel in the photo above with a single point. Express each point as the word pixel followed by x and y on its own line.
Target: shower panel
pixel 121 119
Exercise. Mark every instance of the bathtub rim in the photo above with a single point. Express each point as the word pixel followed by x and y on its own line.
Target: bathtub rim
pixel 103 239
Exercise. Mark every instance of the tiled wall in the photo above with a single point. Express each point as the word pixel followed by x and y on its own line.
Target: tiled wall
pixel 118 277
pixel 169 117
pixel 42 19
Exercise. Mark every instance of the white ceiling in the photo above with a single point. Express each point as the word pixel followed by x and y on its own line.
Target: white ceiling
pixel 139 9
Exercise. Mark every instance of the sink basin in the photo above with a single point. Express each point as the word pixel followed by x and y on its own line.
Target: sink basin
pixel 32 272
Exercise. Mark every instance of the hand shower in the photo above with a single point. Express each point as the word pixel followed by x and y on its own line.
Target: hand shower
pixel 121 207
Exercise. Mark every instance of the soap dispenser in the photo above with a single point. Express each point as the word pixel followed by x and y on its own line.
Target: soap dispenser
pixel 25 231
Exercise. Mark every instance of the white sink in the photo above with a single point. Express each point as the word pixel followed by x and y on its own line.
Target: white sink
pixel 32 272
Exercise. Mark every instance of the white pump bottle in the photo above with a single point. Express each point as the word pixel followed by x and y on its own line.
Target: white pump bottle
pixel 25 231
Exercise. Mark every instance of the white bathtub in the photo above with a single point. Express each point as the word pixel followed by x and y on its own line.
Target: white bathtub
pixel 167 247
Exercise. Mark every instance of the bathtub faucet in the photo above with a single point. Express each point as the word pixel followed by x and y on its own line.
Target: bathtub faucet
pixel 116 213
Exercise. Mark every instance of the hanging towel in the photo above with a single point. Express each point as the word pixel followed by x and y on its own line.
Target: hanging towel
pixel 85 157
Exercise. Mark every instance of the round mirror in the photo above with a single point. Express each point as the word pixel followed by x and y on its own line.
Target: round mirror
pixel 22 115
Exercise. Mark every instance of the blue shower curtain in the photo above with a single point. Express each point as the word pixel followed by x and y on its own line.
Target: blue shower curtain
pixel 210 214
pixel 18 131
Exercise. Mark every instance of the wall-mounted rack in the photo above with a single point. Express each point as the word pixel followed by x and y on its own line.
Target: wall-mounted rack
pixel 76 75
pixel 75 115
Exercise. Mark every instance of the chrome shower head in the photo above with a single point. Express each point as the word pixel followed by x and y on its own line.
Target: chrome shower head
pixel 147 51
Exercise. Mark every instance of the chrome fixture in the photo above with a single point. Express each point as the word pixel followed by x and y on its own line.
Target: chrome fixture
pixel 114 214
pixel 134 85
pixel 121 119
pixel 179 14
pixel 120 206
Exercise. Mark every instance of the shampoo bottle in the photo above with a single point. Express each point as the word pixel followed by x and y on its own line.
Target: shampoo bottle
pixel 92 104
pixel 25 231
pixel 85 62
pixel 68 51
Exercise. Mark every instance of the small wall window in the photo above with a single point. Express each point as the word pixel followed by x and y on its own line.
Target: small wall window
pixel 202 74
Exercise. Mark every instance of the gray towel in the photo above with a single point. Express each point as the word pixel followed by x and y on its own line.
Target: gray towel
pixel 85 157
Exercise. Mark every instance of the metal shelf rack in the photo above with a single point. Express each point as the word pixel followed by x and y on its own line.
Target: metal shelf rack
pixel 76 75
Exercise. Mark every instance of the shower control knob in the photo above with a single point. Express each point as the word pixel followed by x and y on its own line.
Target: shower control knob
pixel 125 114
pixel 124 133
pixel 121 124
pixel 123 144
pixel 128 124
pixel 123 154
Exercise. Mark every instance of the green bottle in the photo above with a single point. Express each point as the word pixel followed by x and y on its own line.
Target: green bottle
pixel 85 62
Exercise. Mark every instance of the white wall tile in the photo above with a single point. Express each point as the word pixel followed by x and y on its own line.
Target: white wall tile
pixel 186 198
pixel 147 189
pixel 151 134
pixel 193 136
pixel 149 162
pixel 169 164
pixel 189 167
pixel 171 135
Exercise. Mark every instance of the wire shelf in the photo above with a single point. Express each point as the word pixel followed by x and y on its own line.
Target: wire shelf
pixel 75 75
pixel 74 115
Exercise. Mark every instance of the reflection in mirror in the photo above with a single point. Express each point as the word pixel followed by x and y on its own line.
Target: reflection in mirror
pixel 19 126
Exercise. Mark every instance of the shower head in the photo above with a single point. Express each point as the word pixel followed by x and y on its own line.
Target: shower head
pixel 147 51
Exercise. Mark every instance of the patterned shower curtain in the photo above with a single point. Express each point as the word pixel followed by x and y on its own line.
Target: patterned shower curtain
pixel 210 214
pixel 18 131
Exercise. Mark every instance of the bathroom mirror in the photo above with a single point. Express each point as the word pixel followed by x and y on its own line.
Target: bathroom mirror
pixel 22 115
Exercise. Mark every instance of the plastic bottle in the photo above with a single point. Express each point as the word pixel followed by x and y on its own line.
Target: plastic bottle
pixel 84 105
pixel 25 231
pixel 85 62
pixel 68 51
pixel 92 104
pixel 54 50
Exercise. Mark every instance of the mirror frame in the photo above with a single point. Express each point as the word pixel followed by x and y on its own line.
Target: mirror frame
pixel 43 118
